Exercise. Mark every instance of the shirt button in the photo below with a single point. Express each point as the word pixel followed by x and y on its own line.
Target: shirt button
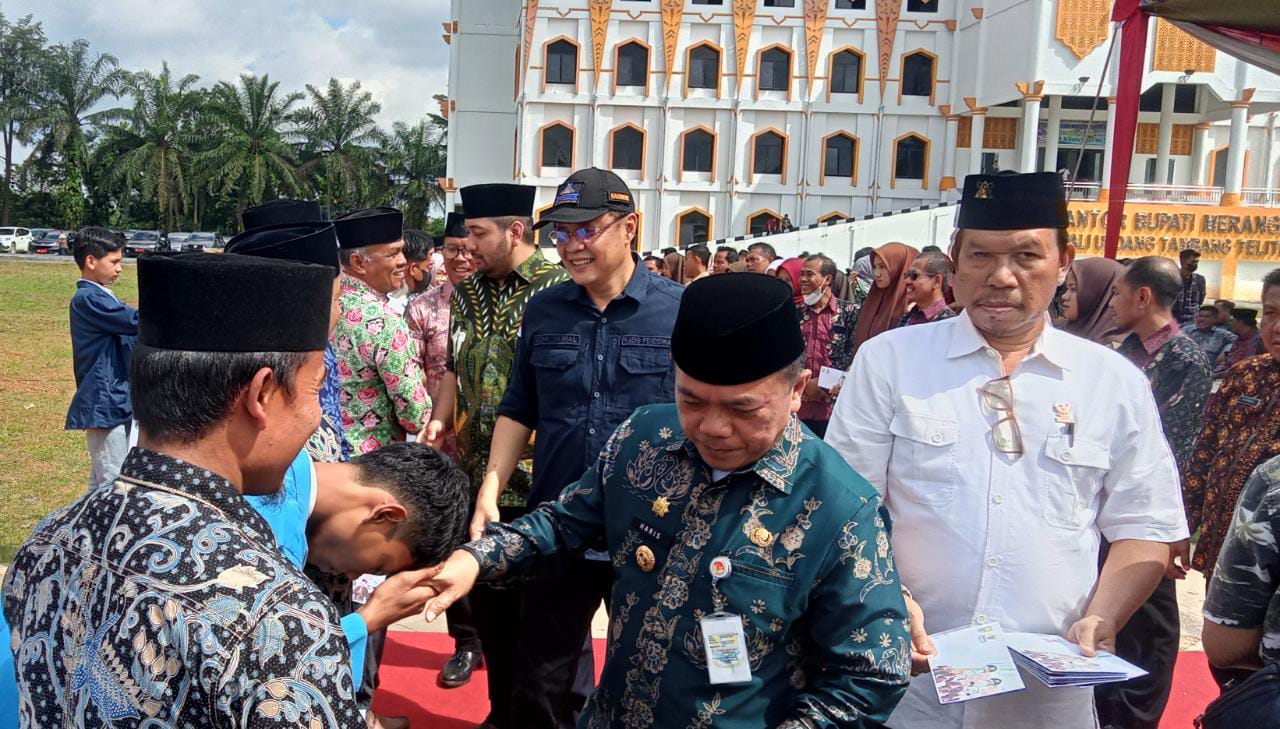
pixel 936 437
pixel 1066 456
pixel 595 394
pixel 979 619
pixel 599 357
pixel 997 499
pixel 592 431
pixel 992 562
pixel 991 352
pixel 604 319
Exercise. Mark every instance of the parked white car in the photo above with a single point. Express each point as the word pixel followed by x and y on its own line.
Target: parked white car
pixel 15 240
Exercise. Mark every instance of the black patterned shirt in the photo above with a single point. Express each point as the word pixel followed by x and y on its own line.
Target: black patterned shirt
pixel 813 579
pixel 1180 376
pixel 1244 591
pixel 163 601
pixel 1190 299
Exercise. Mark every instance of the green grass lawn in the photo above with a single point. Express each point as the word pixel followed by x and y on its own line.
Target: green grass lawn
pixel 42 466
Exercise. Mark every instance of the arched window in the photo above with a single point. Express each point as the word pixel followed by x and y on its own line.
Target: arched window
pixel 910 158
pixel 917 75
pixel 633 65
pixel 562 63
pixel 846 73
pixel 557 146
pixel 704 67
pixel 838 155
pixel 834 216
pixel 695 227
pixel 758 222
pixel 775 70
pixel 770 148
pixel 628 149
pixel 698 154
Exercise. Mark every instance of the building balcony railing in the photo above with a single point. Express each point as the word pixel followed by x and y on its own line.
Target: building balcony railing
pixel 1260 197
pixel 1181 194
pixel 1087 191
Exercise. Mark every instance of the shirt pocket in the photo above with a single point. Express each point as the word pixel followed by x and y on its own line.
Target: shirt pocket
pixel 554 360
pixel 761 595
pixel 1074 473
pixel 646 375
pixel 924 457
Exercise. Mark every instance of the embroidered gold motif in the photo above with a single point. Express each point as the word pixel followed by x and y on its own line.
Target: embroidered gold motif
pixel 761 537
pixel 645 559
pixel 660 506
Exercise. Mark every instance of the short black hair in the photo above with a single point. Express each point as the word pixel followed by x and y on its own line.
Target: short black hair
pixel 700 252
pixel 1271 279
pixel 1209 307
pixel 417 245
pixel 764 249
pixel 434 491
pixel 936 263
pixel 863 253
pixel 668 251
pixel 94 241
pixel 179 396
pixel 929 249
pixel 1157 273
pixel 826 266
pixel 1186 253
pixel 730 254
pixel 1227 304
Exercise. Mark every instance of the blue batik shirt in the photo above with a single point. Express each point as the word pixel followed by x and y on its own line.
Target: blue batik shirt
pixel 329 443
pixel 813 579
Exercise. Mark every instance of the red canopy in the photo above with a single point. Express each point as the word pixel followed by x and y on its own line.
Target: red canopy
pixel 1246 29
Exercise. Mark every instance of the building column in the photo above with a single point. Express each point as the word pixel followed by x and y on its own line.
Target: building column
pixel 1052 130
pixel 1268 174
pixel 1032 94
pixel 1104 186
pixel 1236 148
pixel 977 129
pixel 1199 148
pixel 1165 138
pixel 948 181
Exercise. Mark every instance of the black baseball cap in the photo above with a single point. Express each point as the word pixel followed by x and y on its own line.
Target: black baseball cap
pixel 586 195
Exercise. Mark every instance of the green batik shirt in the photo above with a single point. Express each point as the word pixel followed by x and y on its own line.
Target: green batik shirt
pixel 485 316
pixel 812 578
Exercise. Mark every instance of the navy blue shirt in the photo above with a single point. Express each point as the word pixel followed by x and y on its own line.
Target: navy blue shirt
pixel 102 332
pixel 579 372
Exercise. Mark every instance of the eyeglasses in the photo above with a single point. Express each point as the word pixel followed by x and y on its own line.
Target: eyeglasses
pixel 583 235
pixel 913 275
pixel 997 395
pixel 455 251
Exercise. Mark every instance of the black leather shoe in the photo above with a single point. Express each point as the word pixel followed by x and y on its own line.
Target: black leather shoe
pixel 457 672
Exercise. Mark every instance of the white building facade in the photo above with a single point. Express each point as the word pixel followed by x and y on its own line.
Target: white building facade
pixel 725 116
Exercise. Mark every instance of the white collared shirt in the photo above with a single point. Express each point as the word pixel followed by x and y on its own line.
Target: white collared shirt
pixel 982 536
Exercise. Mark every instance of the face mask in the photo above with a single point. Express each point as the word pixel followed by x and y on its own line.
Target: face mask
pixel 814 298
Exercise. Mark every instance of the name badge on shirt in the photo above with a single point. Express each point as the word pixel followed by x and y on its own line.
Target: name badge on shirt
pixel 1247 400
pixel 726 646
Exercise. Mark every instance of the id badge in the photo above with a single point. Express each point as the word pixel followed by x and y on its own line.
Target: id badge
pixel 726 646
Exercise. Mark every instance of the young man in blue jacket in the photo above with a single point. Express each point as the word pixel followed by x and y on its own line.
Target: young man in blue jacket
pixel 102 332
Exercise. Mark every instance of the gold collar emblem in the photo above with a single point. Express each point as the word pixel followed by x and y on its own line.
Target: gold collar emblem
pixel 984 191
pixel 660 506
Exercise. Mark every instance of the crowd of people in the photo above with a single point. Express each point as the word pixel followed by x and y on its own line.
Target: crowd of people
pixel 778 475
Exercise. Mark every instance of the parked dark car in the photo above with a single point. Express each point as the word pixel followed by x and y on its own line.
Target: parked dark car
pixel 51 243
pixel 141 241
pixel 203 241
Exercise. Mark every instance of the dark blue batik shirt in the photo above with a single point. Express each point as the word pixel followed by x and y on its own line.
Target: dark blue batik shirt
pixel 579 372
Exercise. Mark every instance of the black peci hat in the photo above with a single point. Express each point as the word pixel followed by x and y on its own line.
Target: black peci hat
pixel 369 227
pixel 497 200
pixel 455 225
pixel 731 330
pixel 1010 201
pixel 302 242
pixel 586 195
pixel 279 212
pixel 224 302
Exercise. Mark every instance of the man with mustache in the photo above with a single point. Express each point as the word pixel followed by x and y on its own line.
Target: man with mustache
pixel 383 393
pixel 1006 450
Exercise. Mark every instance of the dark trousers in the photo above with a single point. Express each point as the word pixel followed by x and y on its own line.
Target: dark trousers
pixel 1150 641
pixel 462 627
pixel 556 664
pixel 495 615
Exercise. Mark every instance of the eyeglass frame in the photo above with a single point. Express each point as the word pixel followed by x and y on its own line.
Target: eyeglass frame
pixel 577 232
pixel 458 251
pixel 1005 408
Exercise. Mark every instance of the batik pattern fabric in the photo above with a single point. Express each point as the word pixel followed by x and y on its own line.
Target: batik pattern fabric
pixel 1240 430
pixel 428 318
pixel 1249 345
pixel 813 579
pixel 1190 299
pixel 1181 378
pixel 936 311
pixel 485 317
pixel 828 342
pixel 162 601
pixel 1244 590
pixel 383 393
pixel 1214 341
pixel 329 443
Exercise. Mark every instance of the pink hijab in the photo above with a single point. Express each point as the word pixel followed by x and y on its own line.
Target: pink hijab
pixel 793 266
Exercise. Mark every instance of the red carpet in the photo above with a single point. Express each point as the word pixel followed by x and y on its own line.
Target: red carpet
pixel 413 660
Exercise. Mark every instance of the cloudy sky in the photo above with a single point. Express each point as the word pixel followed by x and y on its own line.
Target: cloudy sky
pixel 393 47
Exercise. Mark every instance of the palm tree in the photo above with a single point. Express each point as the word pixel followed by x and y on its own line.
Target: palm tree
pixel 340 136
pixel 151 144
pixel 248 154
pixel 415 163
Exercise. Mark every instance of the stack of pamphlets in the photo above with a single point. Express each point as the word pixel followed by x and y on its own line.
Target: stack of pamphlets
pixel 972 663
pixel 1056 662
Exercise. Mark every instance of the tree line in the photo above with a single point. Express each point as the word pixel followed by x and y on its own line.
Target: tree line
pixel 139 149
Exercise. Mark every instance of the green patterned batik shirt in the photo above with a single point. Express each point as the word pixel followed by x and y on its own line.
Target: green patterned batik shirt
pixel 485 318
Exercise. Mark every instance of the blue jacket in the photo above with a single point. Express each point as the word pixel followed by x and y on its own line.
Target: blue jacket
pixel 102 333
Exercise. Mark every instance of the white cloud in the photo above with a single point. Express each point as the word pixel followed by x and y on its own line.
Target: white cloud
pixel 392 46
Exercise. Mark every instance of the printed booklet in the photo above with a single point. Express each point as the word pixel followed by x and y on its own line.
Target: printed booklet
pixel 1056 661
pixel 972 663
